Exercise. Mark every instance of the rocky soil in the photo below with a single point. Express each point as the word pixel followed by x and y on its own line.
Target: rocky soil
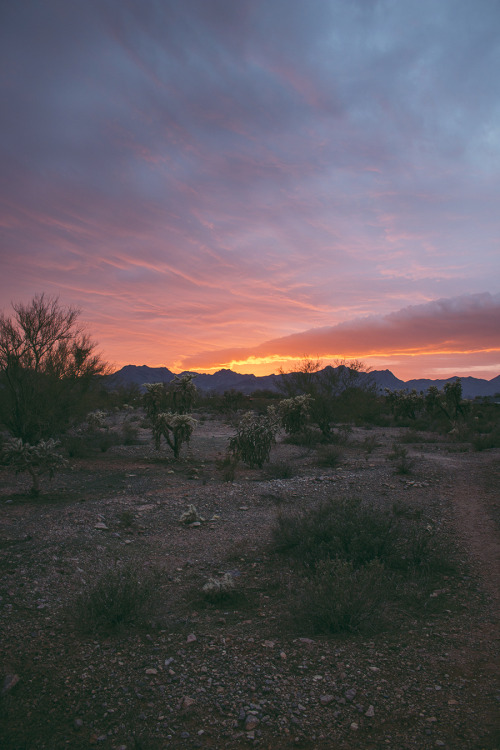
pixel 202 675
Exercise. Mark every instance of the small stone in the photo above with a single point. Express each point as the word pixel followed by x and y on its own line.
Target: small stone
pixel 251 722
pixel 269 644
pixel 186 703
pixel 101 525
pixel 350 694
pixel 354 725
pixel 78 724
pixel 9 682
pixel 191 638
pixel 370 712
pixel 326 699
pixel 151 671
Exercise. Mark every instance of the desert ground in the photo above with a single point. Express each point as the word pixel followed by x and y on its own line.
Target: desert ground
pixel 196 671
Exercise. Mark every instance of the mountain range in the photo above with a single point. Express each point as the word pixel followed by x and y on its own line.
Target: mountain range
pixel 225 380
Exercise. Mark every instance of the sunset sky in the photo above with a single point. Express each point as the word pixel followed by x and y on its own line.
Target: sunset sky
pixel 242 183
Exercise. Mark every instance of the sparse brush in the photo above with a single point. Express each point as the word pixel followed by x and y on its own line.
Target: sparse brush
pixel 119 597
pixel 341 598
pixel 403 464
pixel 329 457
pixel 227 466
pixel 279 470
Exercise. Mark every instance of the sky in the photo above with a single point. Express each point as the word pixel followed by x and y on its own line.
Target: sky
pixel 245 183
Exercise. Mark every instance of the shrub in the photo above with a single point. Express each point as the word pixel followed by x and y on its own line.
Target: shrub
pixel 329 456
pixel 130 433
pixel 255 436
pixel 36 460
pixel 119 597
pixel 227 466
pixel 307 438
pixel 280 470
pixel 96 420
pixel 346 528
pixel 403 464
pixel 342 598
pixel 369 444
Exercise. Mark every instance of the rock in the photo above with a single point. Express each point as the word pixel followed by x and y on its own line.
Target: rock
pixel 9 682
pixel 354 725
pixel 191 638
pixel 78 724
pixel 268 644
pixel 186 703
pixel 370 712
pixel 101 525
pixel 350 694
pixel 151 671
pixel 326 699
pixel 251 722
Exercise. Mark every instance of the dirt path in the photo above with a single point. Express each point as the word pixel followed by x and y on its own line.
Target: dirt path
pixel 475 503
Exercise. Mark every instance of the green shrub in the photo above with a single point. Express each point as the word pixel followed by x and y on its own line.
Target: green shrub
pixel 329 457
pixel 346 529
pixel 341 598
pixel 403 464
pixel 307 438
pixel 227 466
pixel 130 433
pixel 119 597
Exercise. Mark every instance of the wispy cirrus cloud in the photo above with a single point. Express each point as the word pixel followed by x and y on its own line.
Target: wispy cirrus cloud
pixel 237 172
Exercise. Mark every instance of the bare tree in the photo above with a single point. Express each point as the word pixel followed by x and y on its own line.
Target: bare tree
pixel 334 391
pixel 48 366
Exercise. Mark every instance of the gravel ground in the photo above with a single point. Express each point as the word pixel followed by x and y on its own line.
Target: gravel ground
pixel 207 676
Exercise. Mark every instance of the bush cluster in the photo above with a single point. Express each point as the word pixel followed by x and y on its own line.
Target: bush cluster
pixel 354 560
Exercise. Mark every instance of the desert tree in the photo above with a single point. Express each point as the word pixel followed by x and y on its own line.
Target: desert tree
pixel 335 392
pixel 48 367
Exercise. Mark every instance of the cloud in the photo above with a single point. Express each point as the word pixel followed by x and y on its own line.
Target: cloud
pixel 462 325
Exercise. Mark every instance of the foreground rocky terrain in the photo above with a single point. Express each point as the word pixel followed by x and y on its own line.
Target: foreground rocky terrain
pixel 242 672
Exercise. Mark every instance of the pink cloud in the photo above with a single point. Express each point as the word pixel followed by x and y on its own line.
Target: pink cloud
pixel 459 326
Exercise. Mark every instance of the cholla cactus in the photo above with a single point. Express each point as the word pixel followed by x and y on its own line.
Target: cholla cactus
pixel 255 436
pixel 217 589
pixel 155 399
pixel 293 413
pixel 36 460
pixel 191 515
pixel 96 420
pixel 175 428
pixel 183 392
